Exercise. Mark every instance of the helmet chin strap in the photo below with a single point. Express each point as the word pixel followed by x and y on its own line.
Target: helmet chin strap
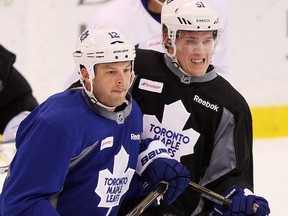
pixel 173 57
pixel 159 2
pixel 132 78
pixel 93 98
pixel 177 65
pixel 111 109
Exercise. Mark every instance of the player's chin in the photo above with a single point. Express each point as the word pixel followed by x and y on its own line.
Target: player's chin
pixel 119 99
pixel 198 70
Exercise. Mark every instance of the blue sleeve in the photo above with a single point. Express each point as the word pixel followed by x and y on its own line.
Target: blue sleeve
pixel 42 207
pixel 37 171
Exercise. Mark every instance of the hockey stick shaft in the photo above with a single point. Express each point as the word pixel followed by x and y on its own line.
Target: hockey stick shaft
pixel 161 189
pixel 149 199
pixel 217 198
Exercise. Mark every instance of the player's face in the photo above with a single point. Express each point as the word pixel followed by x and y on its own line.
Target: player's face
pixel 194 51
pixel 111 82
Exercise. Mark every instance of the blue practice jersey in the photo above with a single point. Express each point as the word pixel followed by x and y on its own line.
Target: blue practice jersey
pixel 73 158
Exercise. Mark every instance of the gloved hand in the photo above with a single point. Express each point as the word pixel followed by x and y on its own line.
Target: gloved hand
pixel 241 204
pixel 167 170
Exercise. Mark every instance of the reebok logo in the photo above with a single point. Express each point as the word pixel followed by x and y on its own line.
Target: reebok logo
pixel 206 103
pixel 135 137
pixel 202 20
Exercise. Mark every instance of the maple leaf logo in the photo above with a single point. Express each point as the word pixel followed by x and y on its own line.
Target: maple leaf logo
pixel 112 186
pixel 179 142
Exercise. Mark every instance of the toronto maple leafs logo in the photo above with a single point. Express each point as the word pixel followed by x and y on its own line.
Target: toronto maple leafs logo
pixel 84 35
pixel 112 186
pixel 170 131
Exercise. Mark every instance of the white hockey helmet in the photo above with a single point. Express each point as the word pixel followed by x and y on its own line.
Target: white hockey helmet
pixel 190 15
pixel 96 46
pixel 102 46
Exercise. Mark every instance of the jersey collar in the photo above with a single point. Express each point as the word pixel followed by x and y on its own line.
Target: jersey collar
pixel 120 113
pixel 187 79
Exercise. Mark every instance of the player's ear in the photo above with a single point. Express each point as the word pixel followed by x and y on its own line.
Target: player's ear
pixel 84 73
pixel 85 77
pixel 167 43
pixel 165 38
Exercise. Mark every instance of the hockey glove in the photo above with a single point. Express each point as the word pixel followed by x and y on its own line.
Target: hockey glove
pixel 156 165
pixel 242 205
pixel 170 171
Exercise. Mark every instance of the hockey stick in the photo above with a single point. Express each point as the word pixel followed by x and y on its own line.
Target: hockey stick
pixel 161 189
pixel 149 199
pixel 217 198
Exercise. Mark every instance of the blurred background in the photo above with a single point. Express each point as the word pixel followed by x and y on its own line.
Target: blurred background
pixel 43 34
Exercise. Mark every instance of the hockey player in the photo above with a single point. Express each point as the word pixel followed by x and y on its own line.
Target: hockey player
pixel 16 96
pixel 205 122
pixel 77 152
pixel 140 20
